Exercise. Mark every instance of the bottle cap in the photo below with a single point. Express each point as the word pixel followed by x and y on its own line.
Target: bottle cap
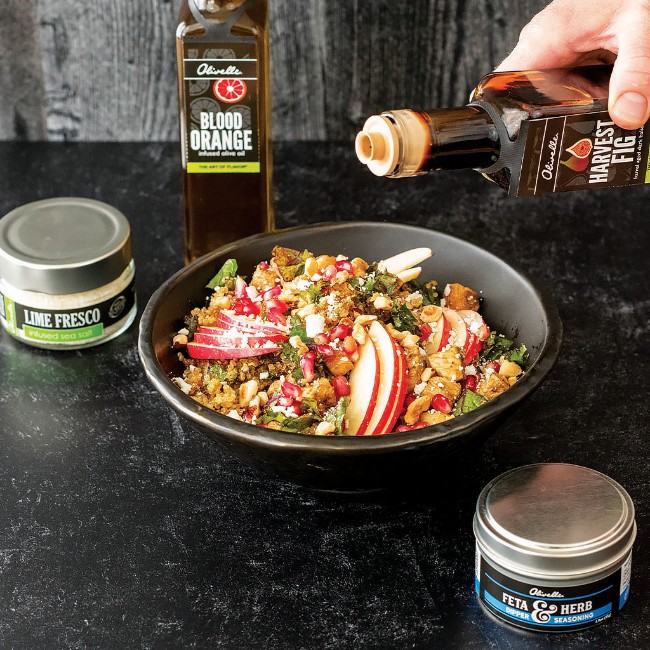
pixel 63 245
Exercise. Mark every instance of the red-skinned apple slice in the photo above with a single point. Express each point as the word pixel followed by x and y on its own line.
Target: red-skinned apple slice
pixel 475 323
pixel 458 326
pixel 472 348
pixel 227 339
pixel 231 321
pixel 441 335
pixel 392 381
pixel 364 385
pixel 204 351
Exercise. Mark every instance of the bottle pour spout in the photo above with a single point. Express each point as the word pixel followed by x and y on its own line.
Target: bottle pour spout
pixel 376 145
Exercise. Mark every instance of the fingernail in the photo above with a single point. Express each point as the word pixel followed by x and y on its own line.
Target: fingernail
pixel 631 107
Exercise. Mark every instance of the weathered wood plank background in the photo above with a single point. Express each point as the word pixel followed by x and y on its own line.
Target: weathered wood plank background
pixel 79 70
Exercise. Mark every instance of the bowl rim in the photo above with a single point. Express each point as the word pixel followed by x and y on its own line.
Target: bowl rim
pixel 271 438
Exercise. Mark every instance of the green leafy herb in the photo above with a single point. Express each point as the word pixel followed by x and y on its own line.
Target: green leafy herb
pixel 496 346
pixel 312 294
pixel 336 414
pixel 519 355
pixel 226 275
pixel 290 353
pixel 308 405
pixel 468 401
pixel 218 371
pixel 298 329
pixel 296 374
pixel 295 425
pixel 403 319
pixel 427 291
pixel 191 323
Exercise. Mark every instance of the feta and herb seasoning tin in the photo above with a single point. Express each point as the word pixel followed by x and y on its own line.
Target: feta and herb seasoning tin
pixel 67 277
pixel 553 547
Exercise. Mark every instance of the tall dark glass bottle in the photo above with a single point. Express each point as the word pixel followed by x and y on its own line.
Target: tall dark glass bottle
pixel 531 132
pixel 223 88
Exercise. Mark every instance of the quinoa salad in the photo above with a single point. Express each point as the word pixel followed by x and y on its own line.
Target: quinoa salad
pixel 327 345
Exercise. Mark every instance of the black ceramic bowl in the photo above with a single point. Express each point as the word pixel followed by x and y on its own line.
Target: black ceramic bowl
pixel 513 304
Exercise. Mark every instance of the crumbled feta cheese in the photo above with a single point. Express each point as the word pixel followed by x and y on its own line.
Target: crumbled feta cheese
pixel 303 285
pixel 340 258
pixel 419 388
pixel 316 277
pixel 184 330
pixel 470 370
pixel 234 415
pixel 182 384
pixel 264 375
pixel 314 324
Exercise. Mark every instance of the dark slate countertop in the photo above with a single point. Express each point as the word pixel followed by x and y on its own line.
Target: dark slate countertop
pixel 123 526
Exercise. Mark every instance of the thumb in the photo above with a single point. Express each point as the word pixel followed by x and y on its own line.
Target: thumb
pixel 629 87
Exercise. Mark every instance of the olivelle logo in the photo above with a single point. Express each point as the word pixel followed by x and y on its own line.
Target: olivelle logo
pixel 209 70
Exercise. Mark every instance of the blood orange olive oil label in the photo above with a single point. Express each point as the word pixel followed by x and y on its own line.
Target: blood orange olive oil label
pixel 221 124
pixel 582 152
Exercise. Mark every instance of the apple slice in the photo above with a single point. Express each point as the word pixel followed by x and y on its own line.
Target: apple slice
pixel 441 335
pixel 364 385
pixel 227 339
pixel 392 380
pixel 205 351
pixel 458 327
pixel 228 320
pixel 475 323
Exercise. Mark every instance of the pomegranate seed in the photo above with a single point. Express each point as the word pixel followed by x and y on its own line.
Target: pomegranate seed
pixel 277 305
pixel 425 331
pixel 404 427
pixel 341 386
pixel 470 382
pixel 307 364
pixel 340 332
pixel 420 425
pixel 246 307
pixel 329 272
pixel 240 287
pixel 291 390
pixel 264 266
pixel 493 365
pixel 349 345
pixel 326 351
pixel 321 339
pixel 296 409
pixel 441 403
pixel 276 317
pixel 344 265
pixel 252 292
pixel 273 292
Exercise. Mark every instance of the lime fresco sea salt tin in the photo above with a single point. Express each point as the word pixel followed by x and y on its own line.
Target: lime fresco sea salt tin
pixel 67 277
pixel 553 547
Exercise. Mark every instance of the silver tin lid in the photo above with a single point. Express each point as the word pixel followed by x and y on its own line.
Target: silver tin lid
pixel 64 245
pixel 555 520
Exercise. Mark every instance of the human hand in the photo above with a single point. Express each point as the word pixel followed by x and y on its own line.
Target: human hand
pixel 581 32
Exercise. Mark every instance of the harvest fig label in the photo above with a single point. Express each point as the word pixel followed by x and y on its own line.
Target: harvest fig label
pixel 79 325
pixel 221 122
pixel 582 152
pixel 547 609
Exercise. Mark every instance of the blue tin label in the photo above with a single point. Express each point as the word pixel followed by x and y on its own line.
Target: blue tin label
pixel 548 609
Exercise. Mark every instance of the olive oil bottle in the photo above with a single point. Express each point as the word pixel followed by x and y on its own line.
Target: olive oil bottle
pixel 222 49
pixel 531 132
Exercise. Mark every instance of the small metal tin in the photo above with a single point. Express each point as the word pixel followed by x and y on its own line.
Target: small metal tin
pixel 553 547
pixel 67 277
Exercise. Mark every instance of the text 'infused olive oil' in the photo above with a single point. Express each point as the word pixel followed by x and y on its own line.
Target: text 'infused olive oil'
pixel 531 132
pixel 223 87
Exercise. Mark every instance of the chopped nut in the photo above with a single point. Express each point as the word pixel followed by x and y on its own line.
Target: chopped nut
pixel 396 334
pixel 307 310
pixel 383 303
pixel 360 267
pixel 493 385
pixel 415 367
pixel 247 391
pixel 434 417
pixel 418 406
pixel 364 319
pixel 264 398
pixel 426 374
pixel 359 334
pixel 459 297
pixel 297 343
pixel 325 260
pixel 324 428
pixel 311 267
pixel 510 369
pixel 438 385
pixel 179 341
pixel 340 363
pixel 448 363
pixel 410 340
pixel 321 391
pixel 430 314
pixel 255 406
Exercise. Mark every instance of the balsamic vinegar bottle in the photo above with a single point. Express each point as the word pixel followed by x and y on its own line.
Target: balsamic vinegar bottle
pixel 222 51
pixel 531 132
